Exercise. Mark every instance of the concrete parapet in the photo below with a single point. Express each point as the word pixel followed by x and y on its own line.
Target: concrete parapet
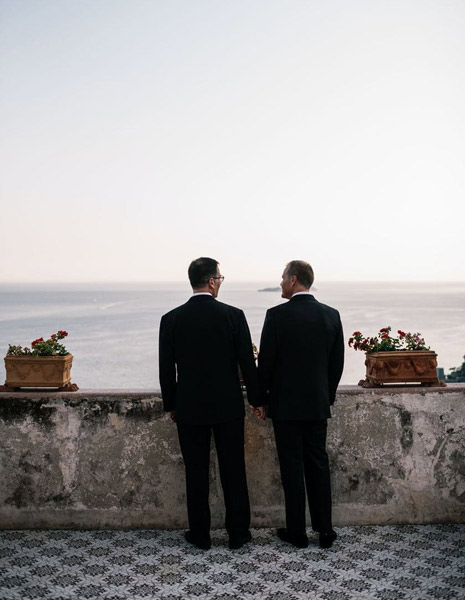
pixel 111 459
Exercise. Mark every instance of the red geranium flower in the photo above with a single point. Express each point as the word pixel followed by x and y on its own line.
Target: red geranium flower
pixel 383 342
pixel 41 347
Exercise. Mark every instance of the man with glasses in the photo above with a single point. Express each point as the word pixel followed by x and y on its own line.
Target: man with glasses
pixel 300 364
pixel 202 343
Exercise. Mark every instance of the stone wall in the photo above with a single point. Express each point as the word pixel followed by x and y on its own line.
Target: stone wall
pixel 111 459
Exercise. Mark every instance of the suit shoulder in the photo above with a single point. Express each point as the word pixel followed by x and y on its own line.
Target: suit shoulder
pixel 229 308
pixel 286 307
pixel 276 310
pixel 173 312
pixel 329 310
pixel 330 314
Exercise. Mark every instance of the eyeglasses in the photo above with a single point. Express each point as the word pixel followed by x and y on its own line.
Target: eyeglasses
pixel 220 277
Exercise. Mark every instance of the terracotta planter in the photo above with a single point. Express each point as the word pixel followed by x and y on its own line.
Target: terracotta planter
pixel 39 371
pixel 403 366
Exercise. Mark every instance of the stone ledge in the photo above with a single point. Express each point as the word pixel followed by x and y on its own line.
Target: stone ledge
pixel 130 393
pixel 134 394
pixel 111 458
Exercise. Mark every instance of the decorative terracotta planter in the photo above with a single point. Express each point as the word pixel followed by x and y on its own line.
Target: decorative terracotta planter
pixel 39 371
pixel 403 366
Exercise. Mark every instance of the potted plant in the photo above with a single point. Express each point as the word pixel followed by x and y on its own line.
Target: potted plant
pixel 255 355
pixel 457 374
pixel 401 359
pixel 46 364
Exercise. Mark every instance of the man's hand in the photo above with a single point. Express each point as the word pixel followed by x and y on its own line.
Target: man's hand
pixel 172 415
pixel 259 411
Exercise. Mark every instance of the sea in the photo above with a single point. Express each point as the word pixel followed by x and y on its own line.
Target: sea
pixel 113 328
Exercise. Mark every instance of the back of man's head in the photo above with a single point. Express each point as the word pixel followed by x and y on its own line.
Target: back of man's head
pixel 302 270
pixel 200 271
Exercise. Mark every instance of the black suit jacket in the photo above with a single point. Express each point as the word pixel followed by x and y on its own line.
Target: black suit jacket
pixel 301 359
pixel 201 344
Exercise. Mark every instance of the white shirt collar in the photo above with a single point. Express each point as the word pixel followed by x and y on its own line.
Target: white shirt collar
pixel 202 294
pixel 301 293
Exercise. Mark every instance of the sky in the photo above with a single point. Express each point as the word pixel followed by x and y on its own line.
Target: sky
pixel 137 135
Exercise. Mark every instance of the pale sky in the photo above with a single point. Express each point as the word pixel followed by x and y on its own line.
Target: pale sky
pixel 137 135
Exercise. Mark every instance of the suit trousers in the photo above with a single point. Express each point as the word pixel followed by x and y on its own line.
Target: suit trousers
pixel 304 463
pixel 195 448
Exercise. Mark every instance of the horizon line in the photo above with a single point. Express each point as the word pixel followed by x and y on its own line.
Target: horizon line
pixel 235 281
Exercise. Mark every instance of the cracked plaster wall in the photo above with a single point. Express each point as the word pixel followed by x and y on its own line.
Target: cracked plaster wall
pixel 112 459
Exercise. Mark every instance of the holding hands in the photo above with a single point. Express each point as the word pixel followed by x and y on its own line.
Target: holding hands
pixel 259 411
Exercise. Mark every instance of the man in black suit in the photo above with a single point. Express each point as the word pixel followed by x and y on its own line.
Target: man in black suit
pixel 202 343
pixel 300 364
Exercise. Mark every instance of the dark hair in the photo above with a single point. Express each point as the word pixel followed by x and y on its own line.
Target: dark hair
pixel 200 271
pixel 302 270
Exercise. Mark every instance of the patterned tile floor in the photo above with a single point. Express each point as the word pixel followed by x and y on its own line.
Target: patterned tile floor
pixel 398 562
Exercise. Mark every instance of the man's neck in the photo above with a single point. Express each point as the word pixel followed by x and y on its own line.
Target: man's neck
pixel 298 289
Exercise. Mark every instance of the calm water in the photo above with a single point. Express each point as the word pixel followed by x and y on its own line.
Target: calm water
pixel 113 329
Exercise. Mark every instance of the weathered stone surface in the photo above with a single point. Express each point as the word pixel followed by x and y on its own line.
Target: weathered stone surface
pixel 96 459
pixel 407 464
